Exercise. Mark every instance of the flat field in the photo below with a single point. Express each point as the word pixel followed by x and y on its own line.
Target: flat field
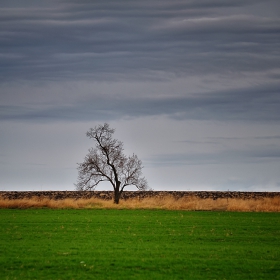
pixel 138 244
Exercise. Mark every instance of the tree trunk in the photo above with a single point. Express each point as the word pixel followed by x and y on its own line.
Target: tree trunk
pixel 117 193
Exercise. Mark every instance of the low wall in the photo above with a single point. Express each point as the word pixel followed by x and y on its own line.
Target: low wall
pixel 107 195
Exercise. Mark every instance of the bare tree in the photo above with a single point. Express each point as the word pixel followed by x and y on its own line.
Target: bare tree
pixel 106 162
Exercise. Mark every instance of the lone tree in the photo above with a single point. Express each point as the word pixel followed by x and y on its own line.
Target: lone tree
pixel 106 162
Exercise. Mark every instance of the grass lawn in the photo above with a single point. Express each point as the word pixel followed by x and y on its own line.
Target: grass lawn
pixel 138 244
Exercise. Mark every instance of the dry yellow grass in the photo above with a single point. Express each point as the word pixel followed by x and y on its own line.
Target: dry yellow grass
pixel 165 202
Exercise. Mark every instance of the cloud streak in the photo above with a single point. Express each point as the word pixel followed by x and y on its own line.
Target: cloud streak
pixel 254 104
pixel 253 156
pixel 124 41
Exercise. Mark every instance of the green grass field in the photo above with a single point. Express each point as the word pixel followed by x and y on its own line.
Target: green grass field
pixel 138 244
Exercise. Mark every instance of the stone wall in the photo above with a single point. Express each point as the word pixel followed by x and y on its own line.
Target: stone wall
pixel 107 195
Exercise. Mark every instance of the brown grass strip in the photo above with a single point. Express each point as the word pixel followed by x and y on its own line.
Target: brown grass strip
pixel 165 202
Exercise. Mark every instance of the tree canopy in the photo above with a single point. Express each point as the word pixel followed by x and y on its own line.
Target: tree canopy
pixel 107 162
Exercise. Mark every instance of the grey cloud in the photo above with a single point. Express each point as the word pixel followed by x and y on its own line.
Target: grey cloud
pixel 195 142
pixel 218 139
pixel 247 156
pixel 244 104
pixel 253 104
pixel 104 40
pixel 261 147
pixel 272 137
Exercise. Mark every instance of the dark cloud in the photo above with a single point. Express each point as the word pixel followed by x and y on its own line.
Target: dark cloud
pixel 98 40
pixel 253 104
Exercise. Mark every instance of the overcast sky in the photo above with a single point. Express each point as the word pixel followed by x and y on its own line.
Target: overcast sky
pixel 191 87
